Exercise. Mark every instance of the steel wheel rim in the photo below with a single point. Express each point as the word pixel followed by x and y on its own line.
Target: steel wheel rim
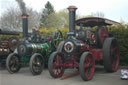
pixel 57 68
pixel 114 54
pixel 14 63
pixel 37 64
pixel 89 66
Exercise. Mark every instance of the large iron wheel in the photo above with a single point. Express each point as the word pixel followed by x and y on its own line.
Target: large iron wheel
pixel 36 64
pixel 57 37
pixel 87 66
pixel 102 35
pixel 55 60
pixel 13 63
pixel 111 54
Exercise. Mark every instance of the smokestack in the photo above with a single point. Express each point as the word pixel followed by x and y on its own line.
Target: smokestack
pixel 25 25
pixel 72 10
pixel 24 17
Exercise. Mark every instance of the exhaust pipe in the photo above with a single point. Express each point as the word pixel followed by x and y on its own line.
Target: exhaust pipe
pixel 72 16
pixel 25 25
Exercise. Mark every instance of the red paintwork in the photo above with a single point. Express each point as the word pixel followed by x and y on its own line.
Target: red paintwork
pixel 83 47
pixel 71 63
pixel 4 43
pixel 58 71
pixel 104 35
pixel 48 38
pixel 93 38
pixel 89 66
pixel 39 48
pixel 71 75
pixel 115 58
pixel 97 53
pixel 38 31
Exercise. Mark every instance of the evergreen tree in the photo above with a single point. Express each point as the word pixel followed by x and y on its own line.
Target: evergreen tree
pixel 47 11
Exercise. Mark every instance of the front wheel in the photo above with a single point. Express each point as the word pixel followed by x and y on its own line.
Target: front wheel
pixel 87 66
pixel 13 63
pixel 36 64
pixel 54 65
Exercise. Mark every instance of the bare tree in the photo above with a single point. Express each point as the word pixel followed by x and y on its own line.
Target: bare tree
pixel 34 18
pixel 11 19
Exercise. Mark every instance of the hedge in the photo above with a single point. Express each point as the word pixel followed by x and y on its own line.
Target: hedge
pixel 121 33
pixel 45 31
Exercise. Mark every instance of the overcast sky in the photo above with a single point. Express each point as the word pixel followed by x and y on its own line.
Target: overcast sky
pixel 112 9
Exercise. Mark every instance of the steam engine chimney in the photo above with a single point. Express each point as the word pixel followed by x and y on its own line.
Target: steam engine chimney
pixel 25 25
pixel 72 10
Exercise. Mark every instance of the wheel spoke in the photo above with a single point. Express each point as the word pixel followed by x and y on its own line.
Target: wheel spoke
pixel 37 64
pixel 87 72
pixel 114 54
pixel 34 62
pixel 86 65
pixel 14 63
pixel 57 70
pixel 89 67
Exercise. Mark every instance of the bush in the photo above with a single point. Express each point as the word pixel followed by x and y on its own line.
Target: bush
pixel 6 37
pixel 45 31
pixel 121 33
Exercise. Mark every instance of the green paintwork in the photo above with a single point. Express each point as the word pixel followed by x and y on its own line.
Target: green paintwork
pixel 24 59
pixel 44 48
pixel 40 48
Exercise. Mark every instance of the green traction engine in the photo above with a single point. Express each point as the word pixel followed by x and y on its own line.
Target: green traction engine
pixel 33 50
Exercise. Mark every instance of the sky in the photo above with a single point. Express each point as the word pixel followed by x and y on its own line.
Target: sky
pixel 116 10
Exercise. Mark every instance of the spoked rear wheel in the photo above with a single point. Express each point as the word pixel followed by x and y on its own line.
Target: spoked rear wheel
pixel 87 66
pixel 102 35
pixel 55 60
pixel 36 64
pixel 13 63
pixel 111 54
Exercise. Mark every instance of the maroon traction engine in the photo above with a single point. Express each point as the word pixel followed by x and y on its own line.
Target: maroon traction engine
pixel 84 47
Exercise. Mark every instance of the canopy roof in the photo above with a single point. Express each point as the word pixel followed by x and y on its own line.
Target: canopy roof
pixel 95 21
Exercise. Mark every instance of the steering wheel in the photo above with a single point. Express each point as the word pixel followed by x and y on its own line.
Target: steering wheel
pixel 57 37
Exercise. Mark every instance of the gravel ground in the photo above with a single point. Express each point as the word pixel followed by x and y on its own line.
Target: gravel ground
pixel 24 77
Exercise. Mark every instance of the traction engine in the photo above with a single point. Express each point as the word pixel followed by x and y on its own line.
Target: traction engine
pixel 33 50
pixel 7 46
pixel 83 47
